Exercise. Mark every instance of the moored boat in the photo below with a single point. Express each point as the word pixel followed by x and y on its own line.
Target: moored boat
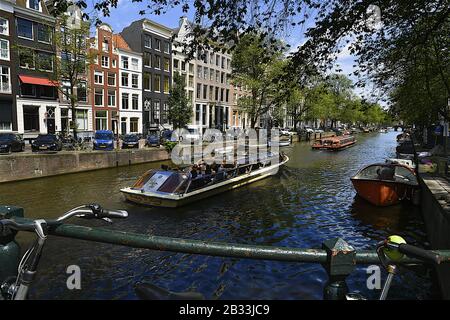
pixel 384 184
pixel 172 188
pixel 334 143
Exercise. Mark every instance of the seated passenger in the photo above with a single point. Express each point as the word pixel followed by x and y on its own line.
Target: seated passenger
pixel 385 173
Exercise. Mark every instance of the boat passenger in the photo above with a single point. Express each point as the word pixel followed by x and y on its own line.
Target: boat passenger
pixel 194 171
pixel 385 173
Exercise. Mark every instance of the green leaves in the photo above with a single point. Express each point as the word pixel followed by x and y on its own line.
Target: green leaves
pixel 180 109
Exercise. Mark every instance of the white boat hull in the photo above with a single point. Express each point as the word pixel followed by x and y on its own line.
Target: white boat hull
pixel 178 200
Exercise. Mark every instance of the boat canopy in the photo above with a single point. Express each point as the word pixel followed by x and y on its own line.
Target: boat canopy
pixel 388 172
pixel 160 181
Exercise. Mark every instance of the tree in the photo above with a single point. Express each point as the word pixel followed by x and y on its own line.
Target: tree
pixel 71 65
pixel 180 109
pixel 256 65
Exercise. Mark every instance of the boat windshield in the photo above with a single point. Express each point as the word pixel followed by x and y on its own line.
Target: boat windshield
pixel 160 181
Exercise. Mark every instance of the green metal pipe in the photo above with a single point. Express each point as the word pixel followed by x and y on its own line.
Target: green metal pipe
pixel 244 251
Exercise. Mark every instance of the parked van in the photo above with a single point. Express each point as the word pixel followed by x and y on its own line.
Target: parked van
pixel 104 140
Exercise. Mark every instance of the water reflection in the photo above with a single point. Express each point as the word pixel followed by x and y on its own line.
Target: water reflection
pixel 309 201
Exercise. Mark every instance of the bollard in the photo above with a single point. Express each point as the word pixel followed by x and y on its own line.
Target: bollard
pixel 340 263
pixel 9 248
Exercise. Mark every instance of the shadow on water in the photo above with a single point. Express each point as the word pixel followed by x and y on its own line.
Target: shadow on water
pixel 310 200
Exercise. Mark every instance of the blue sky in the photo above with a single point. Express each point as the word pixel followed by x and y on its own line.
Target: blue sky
pixel 127 12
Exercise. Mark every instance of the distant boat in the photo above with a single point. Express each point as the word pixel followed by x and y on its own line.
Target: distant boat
pixel 383 130
pixel 172 188
pixel 334 143
pixel 385 184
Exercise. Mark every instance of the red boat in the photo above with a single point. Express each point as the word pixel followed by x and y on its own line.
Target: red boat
pixel 334 143
pixel 385 184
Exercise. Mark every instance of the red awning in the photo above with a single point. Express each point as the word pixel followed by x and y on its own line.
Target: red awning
pixel 38 81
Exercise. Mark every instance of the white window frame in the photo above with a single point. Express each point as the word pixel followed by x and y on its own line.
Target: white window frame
pixel 7 50
pixel 101 74
pixel 103 97
pixel 122 60
pixel 109 96
pixel 135 97
pixel 107 59
pixel 122 98
pixel 39 6
pixel 32 30
pixel 107 81
pixel 9 80
pixel 6 30
pixel 135 76
pixel 134 64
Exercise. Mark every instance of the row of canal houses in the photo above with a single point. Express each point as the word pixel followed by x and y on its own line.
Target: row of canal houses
pixel 125 89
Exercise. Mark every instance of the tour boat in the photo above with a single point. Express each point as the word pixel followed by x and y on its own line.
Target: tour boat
pixel 385 184
pixel 334 143
pixel 172 188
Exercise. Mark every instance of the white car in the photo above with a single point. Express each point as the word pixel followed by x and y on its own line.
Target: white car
pixel 309 130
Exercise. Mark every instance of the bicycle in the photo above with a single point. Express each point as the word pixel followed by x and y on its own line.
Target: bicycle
pixel 16 288
pixel 390 251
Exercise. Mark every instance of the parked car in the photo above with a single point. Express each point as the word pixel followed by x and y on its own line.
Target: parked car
pixel 153 139
pixel 104 140
pixel 130 141
pixel 68 143
pixel 286 132
pixel 11 142
pixel 46 142
pixel 318 131
pixel 166 135
pixel 308 130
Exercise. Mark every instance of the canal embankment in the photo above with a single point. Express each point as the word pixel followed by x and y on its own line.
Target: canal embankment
pixel 24 166
pixel 435 200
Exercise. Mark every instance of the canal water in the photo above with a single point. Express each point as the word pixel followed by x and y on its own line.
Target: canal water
pixel 310 200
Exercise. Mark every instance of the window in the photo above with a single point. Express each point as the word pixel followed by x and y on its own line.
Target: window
pixel 134 63
pixel 223 63
pixel 164 113
pixel 147 59
pixel 5 125
pixel 191 81
pixel 44 33
pixel 166 47
pixel 199 71
pixel 211 92
pixel 81 92
pixel 135 81
pixel 205 91
pixel 211 58
pixel 101 120
pixel 147 41
pixel 166 64
pixel 157 83
pixel 222 77
pixel 205 73
pixel 24 28
pixel 47 92
pixel 211 74
pixel 134 124
pixel 217 60
pixel 176 64
pixel 124 61
pixel 98 99
pixel 183 66
pixel 105 62
pixel 5 80
pixel 111 98
pixel 111 79
pixel 26 58
pixel 147 81
pixel 217 76
pixel 157 62
pixel 199 89
pixel 125 101
pixel 33 4
pixel 81 119
pixel 227 95
pixel 27 90
pixel 158 44
pixel 66 90
pixel 197 114
pixel 4 49
pixel 155 111
pixel 98 77
pixel 113 63
pixel 105 45
pixel 124 79
pixel 135 101
pixel 4 26
pixel 166 84
pixel 44 61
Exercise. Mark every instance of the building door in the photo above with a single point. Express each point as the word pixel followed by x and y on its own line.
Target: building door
pixel 65 120
pixel 123 126
pixel 50 117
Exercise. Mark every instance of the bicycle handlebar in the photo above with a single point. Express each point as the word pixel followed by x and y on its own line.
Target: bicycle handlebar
pixel 86 211
pixel 419 253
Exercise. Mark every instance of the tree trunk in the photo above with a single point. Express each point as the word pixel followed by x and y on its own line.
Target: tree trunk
pixel 74 120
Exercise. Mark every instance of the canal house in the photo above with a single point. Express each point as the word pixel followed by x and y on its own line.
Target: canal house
pixel 8 85
pixel 103 79
pixel 37 98
pixel 154 42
